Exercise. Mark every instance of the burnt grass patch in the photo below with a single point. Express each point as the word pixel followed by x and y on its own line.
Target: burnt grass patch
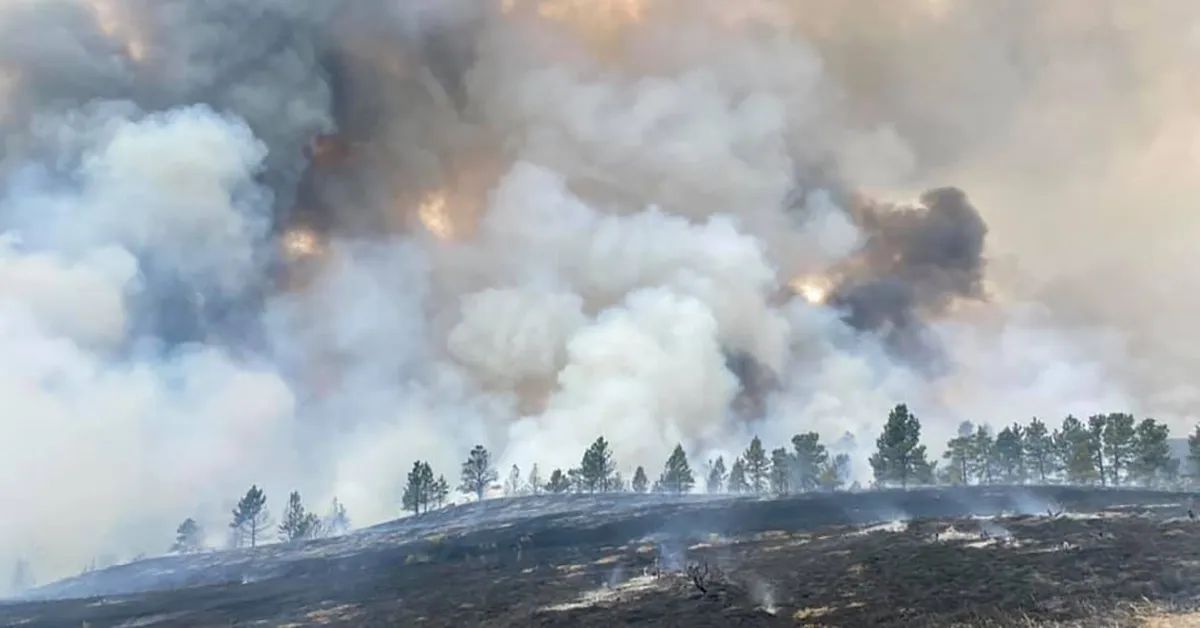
pixel 980 556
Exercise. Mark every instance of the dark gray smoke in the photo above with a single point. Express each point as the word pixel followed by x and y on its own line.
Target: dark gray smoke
pixel 915 262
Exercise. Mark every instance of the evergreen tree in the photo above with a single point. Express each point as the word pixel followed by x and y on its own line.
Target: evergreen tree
pixel 534 484
pixel 1095 432
pixel 1119 444
pixel 1039 450
pixel 189 538
pixel 835 473
pixel 960 454
pixel 924 470
pixel 983 452
pixel 512 486
pixel 1073 441
pixel 477 473
pixel 716 476
pixel 737 478
pixel 900 458
pixel 298 524
pixel 440 491
pixel 558 482
pixel 1193 455
pixel 250 516
pixel 677 473
pixel 336 521
pixel 419 489
pixel 809 457
pixel 617 483
pixel 597 467
pixel 782 471
pixel 1151 462
pixel 22 577
pixel 640 483
pixel 1010 453
pixel 575 479
pixel 756 466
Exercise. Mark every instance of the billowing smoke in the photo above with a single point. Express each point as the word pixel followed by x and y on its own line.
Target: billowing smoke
pixel 915 262
pixel 302 244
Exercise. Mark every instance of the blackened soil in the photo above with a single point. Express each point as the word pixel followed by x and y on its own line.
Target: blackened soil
pixel 976 556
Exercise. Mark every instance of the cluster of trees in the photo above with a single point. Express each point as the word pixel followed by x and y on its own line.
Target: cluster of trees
pixel 251 520
pixel 1109 449
pixel 806 466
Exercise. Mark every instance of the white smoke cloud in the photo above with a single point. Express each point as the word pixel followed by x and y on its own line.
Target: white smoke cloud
pixel 513 335
pixel 125 441
pixel 646 375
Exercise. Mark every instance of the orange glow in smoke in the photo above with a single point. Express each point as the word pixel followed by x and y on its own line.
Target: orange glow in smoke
pixel 115 25
pixel 300 243
pixel 434 213
pixel 814 289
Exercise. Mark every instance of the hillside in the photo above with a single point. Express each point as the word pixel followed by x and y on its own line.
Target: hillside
pixel 972 556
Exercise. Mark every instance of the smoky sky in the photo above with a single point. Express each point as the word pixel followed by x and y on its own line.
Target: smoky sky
pixel 302 244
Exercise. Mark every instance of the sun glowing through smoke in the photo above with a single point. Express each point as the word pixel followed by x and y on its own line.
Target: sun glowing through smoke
pixel 435 215
pixel 300 243
pixel 814 289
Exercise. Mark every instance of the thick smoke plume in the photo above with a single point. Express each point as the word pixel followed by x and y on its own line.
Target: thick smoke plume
pixel 301 244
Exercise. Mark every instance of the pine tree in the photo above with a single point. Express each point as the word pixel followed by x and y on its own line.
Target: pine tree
pixel 1073 441
pixel 1119 444
pixel 1039 448
pixel 835 472
pixel 1010 453
pixel 1152 463
pixel 640 483
pixel 737 478
pixel 22 577
pixel 900 458
pixel 716 476
pixel 189 538
pixel 534 484
pixel 336 522
pixel 298 524
pixel 1095 432
pixel 983 452
pixel 440 491
pixel 477 473
pixel 558 482
pixel 756 466
pixel 575 479
pixel 597 467
pixel 617 483
pixel 251 515
pixel 1193 455
pixel 809 456
pixel 782 471
pixel 419 489
pixel 677 473
pixel 960 453
pixel 512 486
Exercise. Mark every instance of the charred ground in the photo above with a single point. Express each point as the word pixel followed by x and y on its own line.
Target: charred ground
pixel 922 557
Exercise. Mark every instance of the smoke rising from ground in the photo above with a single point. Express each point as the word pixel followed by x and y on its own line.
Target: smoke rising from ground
pixel 302 244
